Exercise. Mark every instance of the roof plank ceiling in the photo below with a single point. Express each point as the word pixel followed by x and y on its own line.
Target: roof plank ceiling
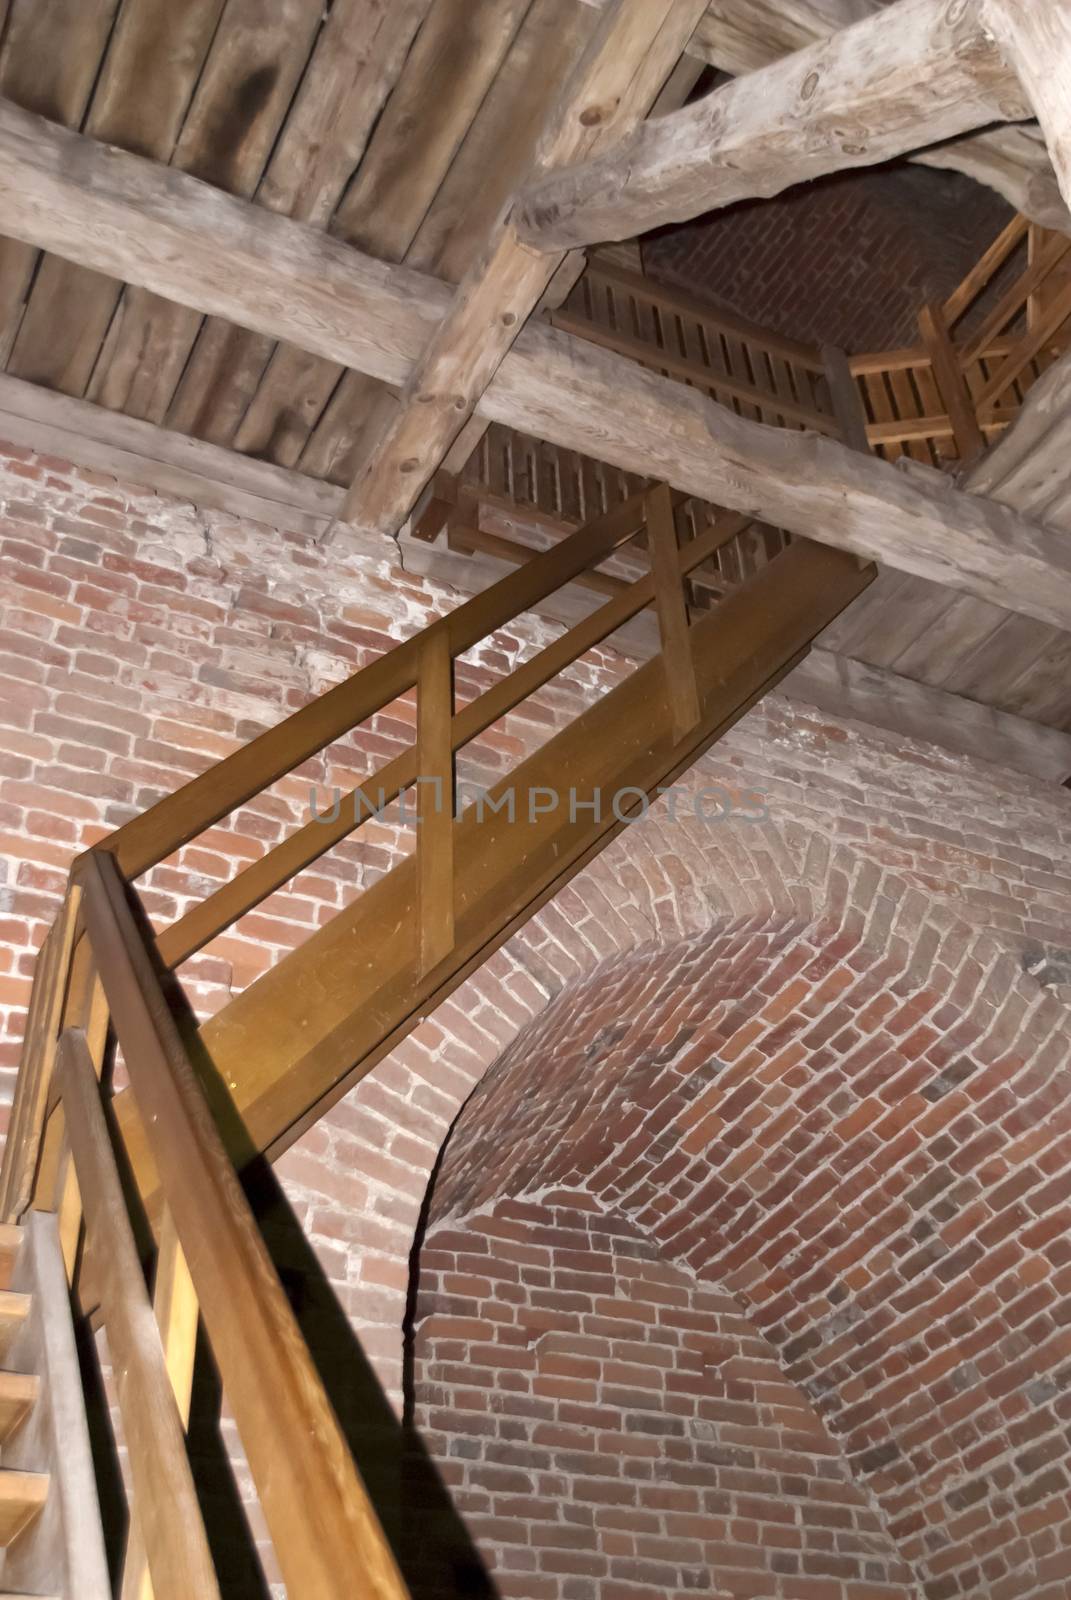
pixel 403 126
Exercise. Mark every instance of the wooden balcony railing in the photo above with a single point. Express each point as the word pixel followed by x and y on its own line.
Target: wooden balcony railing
pixel 940 400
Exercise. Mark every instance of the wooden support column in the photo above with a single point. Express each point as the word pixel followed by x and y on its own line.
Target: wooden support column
pixel 636 46
pixel 951 384
pixel 435 799
pixel 918 73
pixel 677 659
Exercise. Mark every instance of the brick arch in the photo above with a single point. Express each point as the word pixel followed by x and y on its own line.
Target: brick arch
pixel 854 1124
pixel 358 1179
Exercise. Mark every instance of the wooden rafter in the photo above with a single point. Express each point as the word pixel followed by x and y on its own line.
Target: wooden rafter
pixel 915 74
pixel 741 36
pixel 177 236
pixel 635 47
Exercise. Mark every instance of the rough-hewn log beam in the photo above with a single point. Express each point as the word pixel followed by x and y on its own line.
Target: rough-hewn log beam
pixel 175 235
pixel 1035 36
pixel 635 48
pixel 913 75
pixel 844 687
pixel 743 35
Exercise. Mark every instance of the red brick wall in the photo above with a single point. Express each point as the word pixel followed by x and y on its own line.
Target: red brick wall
pixel 848 261
pixel 142 638
pixel 861 1132
pixel 611 1427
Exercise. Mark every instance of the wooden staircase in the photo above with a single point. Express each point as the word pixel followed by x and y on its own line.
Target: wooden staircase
pixel 198 1104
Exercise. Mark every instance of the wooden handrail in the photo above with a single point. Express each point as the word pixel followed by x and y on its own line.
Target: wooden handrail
pixel 1014 299
pixel 689 371
pixel 984 270
pixel 326 1536
pixel 674 298
pixel 50 980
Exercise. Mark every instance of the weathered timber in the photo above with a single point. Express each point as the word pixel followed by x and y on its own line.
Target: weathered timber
pixel 844 687
pixel 740 36
pixel 915 74
pixel 635 47
pixel 184 239
pixel 1035 36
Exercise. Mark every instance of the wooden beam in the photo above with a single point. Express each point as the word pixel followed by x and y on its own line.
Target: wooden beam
pixel 635 47
pixel 915 74
pixel 1035 36
pixel 135 452
pixel 168 231
pixel 848 688
pixel 741 36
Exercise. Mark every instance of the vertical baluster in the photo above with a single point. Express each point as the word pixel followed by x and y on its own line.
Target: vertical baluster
pixel 673 624
pixel 435 799
pixel 52 971
pixel 174 1304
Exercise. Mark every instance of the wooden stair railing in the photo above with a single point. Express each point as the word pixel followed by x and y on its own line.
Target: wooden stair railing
pixel 212 1262
pixel 272 1060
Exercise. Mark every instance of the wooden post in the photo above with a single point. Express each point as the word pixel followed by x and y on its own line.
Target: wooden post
pixel 672 611
pixel 435 798
pixel 848 405
pixel 951 384
pixel 51 976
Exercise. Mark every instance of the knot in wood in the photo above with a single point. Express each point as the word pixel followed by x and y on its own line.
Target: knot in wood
pixel 810 84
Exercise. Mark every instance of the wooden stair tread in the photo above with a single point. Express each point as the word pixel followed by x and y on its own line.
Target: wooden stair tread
pixel 14 1309
pixel 18 1395
pixel 22 1494
pixel 10 1239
